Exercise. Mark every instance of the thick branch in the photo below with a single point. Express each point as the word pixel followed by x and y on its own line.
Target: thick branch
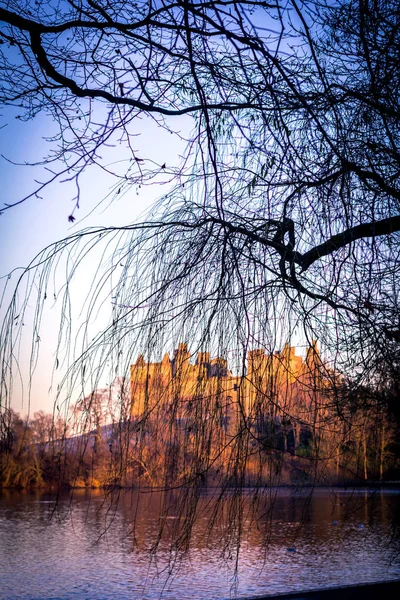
pixel 80 92
pixel 365 230
pixel 288 255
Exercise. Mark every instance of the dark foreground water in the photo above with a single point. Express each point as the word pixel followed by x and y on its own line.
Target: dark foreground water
pixel 91 548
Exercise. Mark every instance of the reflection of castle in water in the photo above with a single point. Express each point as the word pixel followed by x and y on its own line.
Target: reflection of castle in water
pixel 280 387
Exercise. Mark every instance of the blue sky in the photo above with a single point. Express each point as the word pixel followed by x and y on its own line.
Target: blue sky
pixel 26 229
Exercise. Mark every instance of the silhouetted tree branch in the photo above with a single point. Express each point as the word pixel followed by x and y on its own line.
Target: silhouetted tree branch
pixel 281 220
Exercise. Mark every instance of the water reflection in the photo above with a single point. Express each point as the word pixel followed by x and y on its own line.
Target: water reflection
pixel 136 544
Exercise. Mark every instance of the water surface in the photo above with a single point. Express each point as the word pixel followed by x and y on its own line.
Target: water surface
pixel 92 547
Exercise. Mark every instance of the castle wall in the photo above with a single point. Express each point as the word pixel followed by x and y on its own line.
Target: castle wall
pixel 280 383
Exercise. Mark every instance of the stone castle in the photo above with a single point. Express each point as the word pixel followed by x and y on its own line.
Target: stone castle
pixel 281 382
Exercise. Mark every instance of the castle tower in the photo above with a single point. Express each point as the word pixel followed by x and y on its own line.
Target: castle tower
pixel 180 360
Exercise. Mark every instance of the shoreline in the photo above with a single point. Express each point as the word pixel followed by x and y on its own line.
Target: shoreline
pixel 389 590
pixel 344 487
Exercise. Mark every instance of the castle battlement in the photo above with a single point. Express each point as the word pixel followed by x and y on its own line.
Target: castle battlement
pixel 177 380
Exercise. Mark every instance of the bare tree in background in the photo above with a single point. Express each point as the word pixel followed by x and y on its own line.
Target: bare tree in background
pixel 284 214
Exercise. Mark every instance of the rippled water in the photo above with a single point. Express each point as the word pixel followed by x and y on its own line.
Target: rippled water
pixel 89 547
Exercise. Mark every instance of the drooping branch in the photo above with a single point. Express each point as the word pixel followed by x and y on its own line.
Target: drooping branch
pixel 282 153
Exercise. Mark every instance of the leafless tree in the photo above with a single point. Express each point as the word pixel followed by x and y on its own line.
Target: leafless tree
pixel 284 213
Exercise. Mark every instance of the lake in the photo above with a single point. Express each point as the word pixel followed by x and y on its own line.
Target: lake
pixel 133 545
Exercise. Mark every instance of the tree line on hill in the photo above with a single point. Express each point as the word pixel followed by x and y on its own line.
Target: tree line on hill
pixel 209 443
